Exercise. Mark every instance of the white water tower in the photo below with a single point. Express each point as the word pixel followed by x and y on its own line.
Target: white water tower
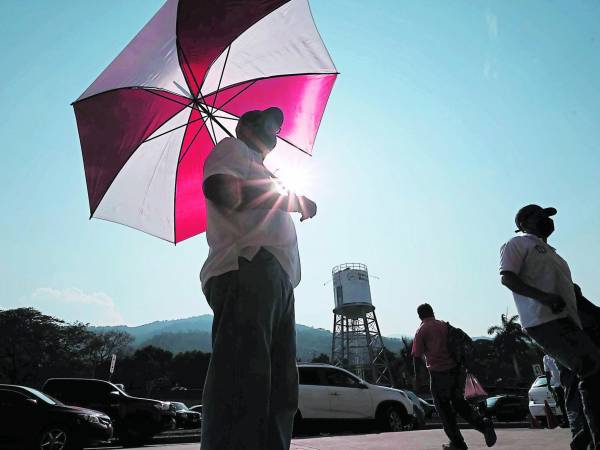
pixel 357 344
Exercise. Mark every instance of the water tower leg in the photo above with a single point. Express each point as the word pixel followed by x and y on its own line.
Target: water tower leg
pixel 338 342
pixel 380 361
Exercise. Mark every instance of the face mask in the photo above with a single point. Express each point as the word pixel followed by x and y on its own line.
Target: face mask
pixel 545 226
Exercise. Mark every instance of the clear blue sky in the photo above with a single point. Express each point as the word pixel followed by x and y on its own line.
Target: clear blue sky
pixel 447 117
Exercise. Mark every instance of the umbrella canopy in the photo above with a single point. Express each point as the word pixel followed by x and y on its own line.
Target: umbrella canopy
pixel 147 123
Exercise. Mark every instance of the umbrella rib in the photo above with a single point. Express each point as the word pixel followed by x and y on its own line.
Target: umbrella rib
pixel 254 80
pixel 222 127
pixel 212 127
pixel 155 92
pixel 279 137
pixel 221 79
pixel 294 145
pixel 223 117
pixel 236 95
pixel 176 128
pixel 191 142
pixel 185 60
pixel 126 88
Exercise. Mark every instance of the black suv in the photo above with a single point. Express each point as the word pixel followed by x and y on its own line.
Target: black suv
pixel 33 420
pixel 135 419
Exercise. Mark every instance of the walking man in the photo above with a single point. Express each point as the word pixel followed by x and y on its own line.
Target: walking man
pixel 545 299
pixel 250 395
pixel 590 319
pixel 555 387
pixel 447 380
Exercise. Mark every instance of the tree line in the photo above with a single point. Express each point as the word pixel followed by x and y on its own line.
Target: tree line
pixel 35 347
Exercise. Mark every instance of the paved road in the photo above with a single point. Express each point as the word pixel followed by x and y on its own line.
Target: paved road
pixel 508 439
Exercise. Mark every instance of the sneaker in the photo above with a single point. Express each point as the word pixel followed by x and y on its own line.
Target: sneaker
pixel 451 446
pixel 489 433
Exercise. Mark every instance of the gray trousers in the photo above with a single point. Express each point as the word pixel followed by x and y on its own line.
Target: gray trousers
pixel 574 349
pixel 250 395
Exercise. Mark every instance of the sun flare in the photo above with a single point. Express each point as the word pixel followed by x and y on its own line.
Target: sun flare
pixel 295 181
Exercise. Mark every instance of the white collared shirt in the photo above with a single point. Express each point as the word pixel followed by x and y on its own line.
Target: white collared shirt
pixel 550 366
pixel 539 266
pixel 231 234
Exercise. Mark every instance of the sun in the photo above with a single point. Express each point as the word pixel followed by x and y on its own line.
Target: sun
pixel 291 180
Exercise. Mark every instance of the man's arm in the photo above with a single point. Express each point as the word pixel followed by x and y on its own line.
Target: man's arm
pixel 233 193
pixel 548 378
pixel 417 352
pixel 513 282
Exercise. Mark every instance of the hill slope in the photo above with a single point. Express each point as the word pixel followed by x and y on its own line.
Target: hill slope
pixel 194 333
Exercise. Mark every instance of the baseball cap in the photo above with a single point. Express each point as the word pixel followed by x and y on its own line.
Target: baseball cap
pixel 527 211
pixel 268 120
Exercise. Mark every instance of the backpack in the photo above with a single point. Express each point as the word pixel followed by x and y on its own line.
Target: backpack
pixel 460 346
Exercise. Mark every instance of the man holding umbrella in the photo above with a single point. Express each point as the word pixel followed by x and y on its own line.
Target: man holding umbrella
pixel 250 395
pixel 546 301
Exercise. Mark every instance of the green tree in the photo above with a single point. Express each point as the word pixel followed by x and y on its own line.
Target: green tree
pixel 100 347
pixel 34 346
pixel 189 368
pixel 510 341
pixel 322 358
pixel 148 369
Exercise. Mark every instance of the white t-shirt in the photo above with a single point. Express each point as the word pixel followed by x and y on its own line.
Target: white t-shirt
pixel 539 266
pixel 231 234
pixel 550 366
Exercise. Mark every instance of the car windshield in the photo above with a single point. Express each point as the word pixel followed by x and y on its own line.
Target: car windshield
pixel 179 406
pixel 43 397
pixel 540 382
pixel 491 401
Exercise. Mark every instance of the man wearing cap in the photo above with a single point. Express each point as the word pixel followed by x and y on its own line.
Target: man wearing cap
pixel 250 395
pixel 545 299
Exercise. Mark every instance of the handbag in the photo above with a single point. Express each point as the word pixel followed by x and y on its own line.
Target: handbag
pixel 473 388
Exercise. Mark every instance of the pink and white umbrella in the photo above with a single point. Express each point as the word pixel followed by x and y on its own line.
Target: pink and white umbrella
pixel 150 119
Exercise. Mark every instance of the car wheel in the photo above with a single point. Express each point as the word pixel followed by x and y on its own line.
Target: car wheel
pixel 392 418
pixel 54 438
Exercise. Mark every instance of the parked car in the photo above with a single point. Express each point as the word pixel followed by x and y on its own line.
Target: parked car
pixel 33 420
pixel 537 394
pixel 327 392
pixel 185 417
pixel 428 407
pixel 197 408
pixel 418 409
pixel 136 420
pixel 505 408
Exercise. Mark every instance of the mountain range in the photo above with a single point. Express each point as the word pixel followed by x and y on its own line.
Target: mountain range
pixel 194 333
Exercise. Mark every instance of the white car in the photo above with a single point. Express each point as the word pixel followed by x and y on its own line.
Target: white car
pixel 537 394
pixel 332 393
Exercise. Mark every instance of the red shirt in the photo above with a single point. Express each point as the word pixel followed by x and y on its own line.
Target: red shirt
pixel 431 341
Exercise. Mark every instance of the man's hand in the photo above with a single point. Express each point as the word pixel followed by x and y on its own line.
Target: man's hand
pixel 307 208
pixel 555 302
pixel 512 281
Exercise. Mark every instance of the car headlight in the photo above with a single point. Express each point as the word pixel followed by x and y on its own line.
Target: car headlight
pixel 162 406
pixel 89 418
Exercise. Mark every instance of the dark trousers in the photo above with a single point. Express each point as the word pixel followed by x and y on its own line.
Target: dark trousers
pixel 572 348
pixel 558 393
pixel 580 433
pixel 250 395
pixel 448 391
